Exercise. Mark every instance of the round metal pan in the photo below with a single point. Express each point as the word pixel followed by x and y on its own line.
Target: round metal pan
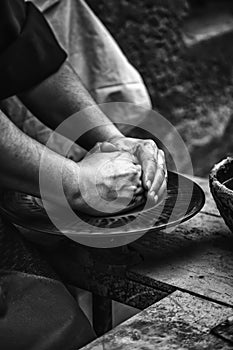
pixel 184 199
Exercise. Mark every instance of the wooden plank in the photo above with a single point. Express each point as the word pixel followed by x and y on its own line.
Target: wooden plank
pixel 80 267
pixel 197 257
pixel 102 314
pixel 180 321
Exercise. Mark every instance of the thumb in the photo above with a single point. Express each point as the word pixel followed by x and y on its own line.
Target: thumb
pixel 108 147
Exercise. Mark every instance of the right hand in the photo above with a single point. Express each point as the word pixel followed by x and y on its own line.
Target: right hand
pixel 107 183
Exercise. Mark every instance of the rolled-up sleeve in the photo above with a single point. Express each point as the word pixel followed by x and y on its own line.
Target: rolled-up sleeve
pixel 29 51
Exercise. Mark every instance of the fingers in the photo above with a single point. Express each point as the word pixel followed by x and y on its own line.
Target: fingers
pixel 147 152
pixel 103 147
pixel 162 192
pixel 128 197
pixel 131 181
pixel 162 161
pixel 128 157
pixel 135 177
pixel 158 181
pixel 95 149
pixel 158 187
pixel 154 170
pixel 153 174
pixel 108 147
pixel 127 193
pixel 139 189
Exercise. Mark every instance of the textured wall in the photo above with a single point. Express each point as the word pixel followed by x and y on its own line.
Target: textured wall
pixel 191 87
pixel 149 33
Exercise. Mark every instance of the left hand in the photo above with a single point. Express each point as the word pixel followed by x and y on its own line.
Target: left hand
pixel 152 160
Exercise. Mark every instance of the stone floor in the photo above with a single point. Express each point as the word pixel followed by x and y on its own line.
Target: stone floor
pixel 120 312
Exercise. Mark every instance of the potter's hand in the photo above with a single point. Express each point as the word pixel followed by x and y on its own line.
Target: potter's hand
pixel 152 160
pixel 107 183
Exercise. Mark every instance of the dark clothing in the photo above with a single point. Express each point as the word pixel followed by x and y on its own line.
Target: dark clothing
pixel 29 51
pixel 36 310
pixel 39 313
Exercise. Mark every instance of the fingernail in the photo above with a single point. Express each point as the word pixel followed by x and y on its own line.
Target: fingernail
pixel 156 199
pixel 148 184
pixel 152 194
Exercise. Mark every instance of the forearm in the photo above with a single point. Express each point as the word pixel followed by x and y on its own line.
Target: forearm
pixel 63 95
pixel 20 158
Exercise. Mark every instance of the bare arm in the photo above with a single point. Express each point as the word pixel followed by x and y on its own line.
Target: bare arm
pixel 62 95
pixel 20 158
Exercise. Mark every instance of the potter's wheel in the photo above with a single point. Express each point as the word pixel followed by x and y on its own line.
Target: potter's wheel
pixel 184 199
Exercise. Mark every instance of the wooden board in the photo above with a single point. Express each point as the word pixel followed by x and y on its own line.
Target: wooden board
pixel 105 274
pixel 196 257
pixel 179 321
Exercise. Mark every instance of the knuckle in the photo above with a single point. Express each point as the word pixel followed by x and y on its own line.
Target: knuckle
pixel 154 146
pixel 150 142
pixel 161 151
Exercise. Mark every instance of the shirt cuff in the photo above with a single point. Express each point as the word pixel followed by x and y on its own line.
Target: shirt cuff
pixel 32 57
